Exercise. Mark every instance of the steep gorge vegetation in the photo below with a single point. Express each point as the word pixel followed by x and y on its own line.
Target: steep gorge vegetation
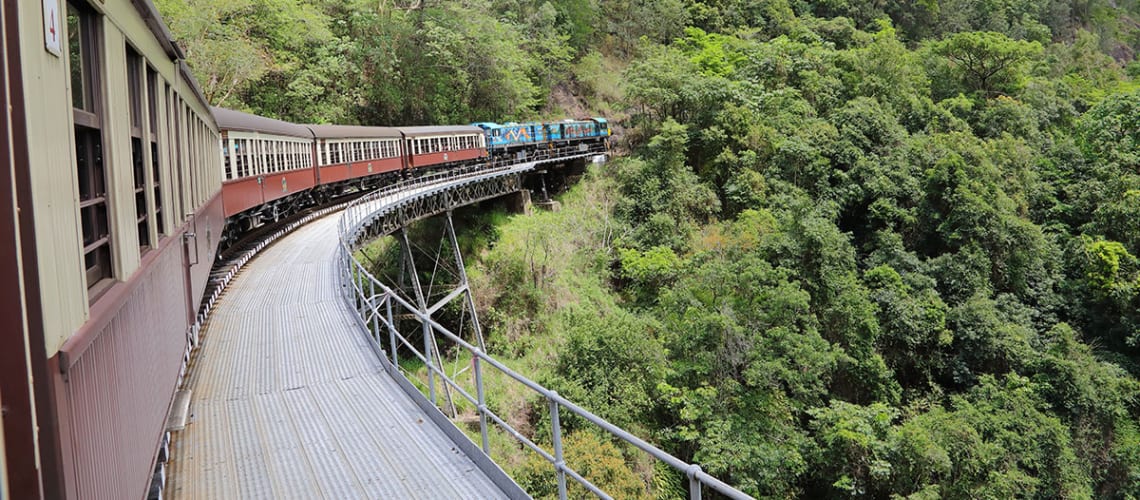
pixel 855 248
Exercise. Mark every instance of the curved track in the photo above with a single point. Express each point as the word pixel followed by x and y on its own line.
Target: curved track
pixel 290 401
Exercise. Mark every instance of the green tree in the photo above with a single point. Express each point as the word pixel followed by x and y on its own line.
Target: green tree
pixel 595 459
pixel 1111 130
pixel 915 336
pixel 985 63
pixel 610 365
pixel 996 440
pixel 853 447
pixel 662 197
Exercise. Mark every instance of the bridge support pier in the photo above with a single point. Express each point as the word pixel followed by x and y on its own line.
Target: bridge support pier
pixel 519 203
pixel 463 283
pixel 408 262
pixel 431 299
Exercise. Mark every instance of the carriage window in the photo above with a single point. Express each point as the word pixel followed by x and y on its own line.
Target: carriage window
pixel 253 149
pixel 228 158
pixel 156 179
pixel 238 153
pixel 273 158
pixel 250 153
pixel 138 160
pixel 83 43
pixel 260 162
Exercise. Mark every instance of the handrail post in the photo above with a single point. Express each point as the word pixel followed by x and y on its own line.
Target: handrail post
pixel 374 309
pixel 482 398
pixel 694 484
pixel 360 290
pixel 559 462
pixel 430 361
pixel 392 332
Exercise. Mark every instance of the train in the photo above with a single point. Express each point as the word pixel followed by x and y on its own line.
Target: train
pixel 274 168
pixel 120 184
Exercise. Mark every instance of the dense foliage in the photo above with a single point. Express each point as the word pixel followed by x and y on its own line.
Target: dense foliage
pixel 857 248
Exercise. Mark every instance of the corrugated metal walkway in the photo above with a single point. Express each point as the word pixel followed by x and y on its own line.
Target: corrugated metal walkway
pixel 290 401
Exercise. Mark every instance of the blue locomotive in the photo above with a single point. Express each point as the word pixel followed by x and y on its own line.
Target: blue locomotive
pixel 509 136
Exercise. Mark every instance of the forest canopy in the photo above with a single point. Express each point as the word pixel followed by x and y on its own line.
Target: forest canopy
pixel 851 247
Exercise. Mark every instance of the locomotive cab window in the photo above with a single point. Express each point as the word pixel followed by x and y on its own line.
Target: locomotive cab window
pixel 86 89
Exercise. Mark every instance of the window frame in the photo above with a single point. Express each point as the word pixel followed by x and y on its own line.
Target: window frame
pixel 91 168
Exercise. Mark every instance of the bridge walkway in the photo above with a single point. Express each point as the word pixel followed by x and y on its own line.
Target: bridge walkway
pixel 289 400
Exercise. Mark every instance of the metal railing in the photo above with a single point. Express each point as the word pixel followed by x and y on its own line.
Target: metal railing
pixel 374 303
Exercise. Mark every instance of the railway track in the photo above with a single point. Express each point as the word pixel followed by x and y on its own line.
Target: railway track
pixel 233 258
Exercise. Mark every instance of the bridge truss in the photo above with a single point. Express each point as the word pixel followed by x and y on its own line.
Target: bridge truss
pixel 381 305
